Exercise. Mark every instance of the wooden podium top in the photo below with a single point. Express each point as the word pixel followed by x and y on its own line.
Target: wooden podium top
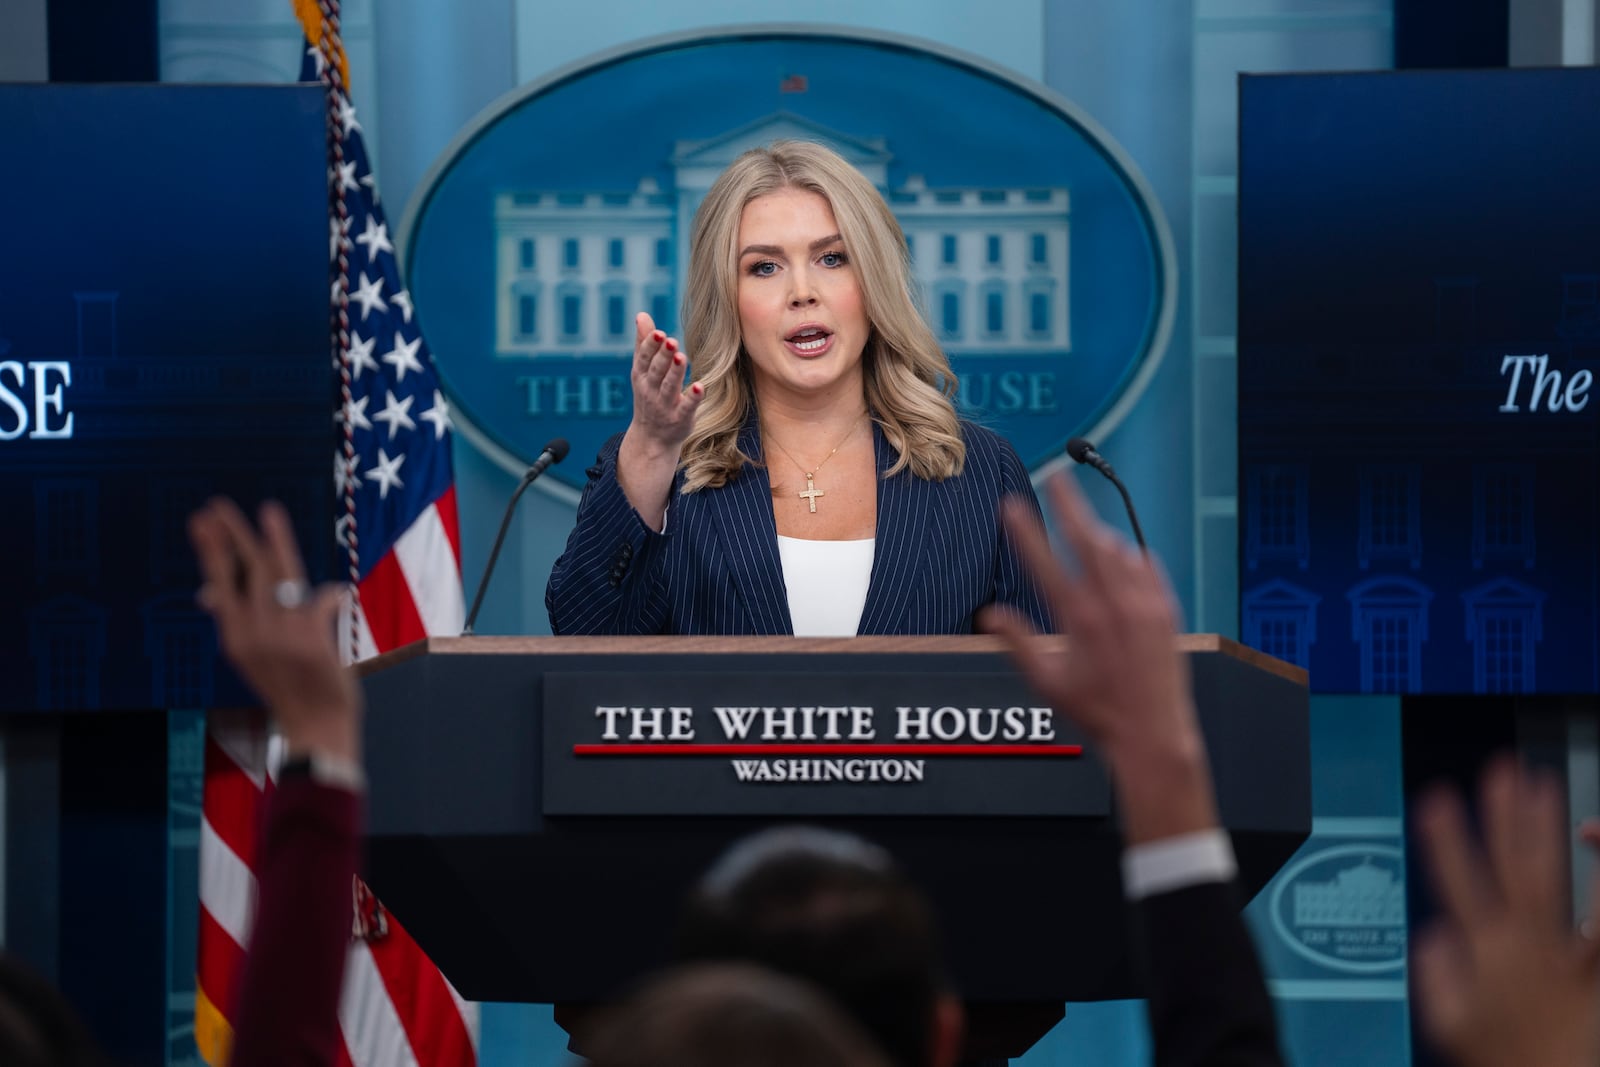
pixel 936 644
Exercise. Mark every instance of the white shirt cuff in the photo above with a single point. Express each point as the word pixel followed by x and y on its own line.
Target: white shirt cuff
pixel 1177 863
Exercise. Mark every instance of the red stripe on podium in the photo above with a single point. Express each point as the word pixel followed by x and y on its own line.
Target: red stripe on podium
pixel 687 749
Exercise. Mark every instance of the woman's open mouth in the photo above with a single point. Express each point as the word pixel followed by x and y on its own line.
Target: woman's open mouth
pixel 809 341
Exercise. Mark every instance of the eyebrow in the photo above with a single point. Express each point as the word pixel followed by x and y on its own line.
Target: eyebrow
pixel 774 250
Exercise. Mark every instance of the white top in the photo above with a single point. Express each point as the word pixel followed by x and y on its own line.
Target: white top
pixel 827 584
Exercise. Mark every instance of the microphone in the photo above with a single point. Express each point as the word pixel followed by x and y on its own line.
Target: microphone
pixel 554 452
pixel 1082 451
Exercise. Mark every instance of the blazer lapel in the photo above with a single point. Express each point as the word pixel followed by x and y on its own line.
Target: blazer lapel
pixel 750 540
pixel 905 510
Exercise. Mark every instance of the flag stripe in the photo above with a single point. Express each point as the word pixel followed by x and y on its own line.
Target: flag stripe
pixel 386 599
pixel 232 801
pixel 373 1031
pixel 467 1010
pixel 364 648
pixel 427 561
pixel 422 997
pixel 446 506
pixel 241 735
pixel 227 887
pixel 220 964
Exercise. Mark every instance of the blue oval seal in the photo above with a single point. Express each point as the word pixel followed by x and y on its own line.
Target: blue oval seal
pixel 1045 263
pixel 1345 908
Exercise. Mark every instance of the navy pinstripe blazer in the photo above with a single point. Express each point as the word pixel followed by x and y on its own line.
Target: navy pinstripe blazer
pixel 940 554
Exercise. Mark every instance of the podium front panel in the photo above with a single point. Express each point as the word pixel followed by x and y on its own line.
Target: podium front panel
pixel 518 903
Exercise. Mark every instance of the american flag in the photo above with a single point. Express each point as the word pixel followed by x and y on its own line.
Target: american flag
pixel 398 534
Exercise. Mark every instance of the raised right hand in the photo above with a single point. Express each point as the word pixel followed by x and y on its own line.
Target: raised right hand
pixel 1117 674
pixel 286 651
pixel 663 410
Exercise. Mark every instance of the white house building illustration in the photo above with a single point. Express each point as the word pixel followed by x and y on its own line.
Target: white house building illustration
pixel 1361 895
pixel 572 267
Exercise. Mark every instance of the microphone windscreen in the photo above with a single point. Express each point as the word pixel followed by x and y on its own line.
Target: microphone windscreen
pixel 1079 448
pixel 558 449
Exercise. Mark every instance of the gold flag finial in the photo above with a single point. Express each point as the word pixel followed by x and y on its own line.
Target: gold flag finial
pixel 309 12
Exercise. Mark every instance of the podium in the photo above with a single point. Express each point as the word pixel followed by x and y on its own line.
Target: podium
pixel 469 763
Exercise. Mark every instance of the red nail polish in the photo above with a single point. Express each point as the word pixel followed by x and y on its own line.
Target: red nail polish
pixel 658 335
pixel 677 360
pixel 672 345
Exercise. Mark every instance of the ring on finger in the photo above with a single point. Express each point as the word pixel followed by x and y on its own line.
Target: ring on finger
pixel 291 593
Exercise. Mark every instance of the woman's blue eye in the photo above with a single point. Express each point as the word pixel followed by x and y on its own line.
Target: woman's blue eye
pixel 834 259
pixel 763 268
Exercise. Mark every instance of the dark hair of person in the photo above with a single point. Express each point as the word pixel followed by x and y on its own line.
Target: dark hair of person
pixel 37 1028
pixel 835 910
pixel 727 1015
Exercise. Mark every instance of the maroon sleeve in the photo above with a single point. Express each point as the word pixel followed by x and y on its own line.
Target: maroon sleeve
pixel 288 1010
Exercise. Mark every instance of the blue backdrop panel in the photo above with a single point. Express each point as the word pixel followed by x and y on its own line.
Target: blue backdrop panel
pixel 535 242
pixel 163 337
pixel 1419 332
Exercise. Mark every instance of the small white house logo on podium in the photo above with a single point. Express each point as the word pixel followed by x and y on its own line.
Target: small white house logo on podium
pixel 1344 908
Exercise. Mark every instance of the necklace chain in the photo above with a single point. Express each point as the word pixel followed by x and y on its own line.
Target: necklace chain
pixel 851 433
pixel 811 491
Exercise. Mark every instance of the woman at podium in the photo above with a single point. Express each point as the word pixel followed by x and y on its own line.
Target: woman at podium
pixel 814 479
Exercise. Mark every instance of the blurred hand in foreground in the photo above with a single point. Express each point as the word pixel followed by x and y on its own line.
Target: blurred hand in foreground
pixel 1116 672
pixel 1502 979
pixel 276 631
pixel 1589 834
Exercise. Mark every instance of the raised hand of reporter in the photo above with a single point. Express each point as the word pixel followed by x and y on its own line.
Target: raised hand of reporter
pixel 1589 834
pixel 277 632
pixel 663 416
pixel 1117 673
pixel 1502 979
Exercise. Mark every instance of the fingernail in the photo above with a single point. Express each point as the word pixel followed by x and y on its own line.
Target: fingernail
pixel 658 335
pixel 672 345
pixel 697 388
pixel 678 359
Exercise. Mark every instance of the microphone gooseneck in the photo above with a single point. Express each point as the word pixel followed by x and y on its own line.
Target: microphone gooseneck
pixel 1083 451
pixel 554 452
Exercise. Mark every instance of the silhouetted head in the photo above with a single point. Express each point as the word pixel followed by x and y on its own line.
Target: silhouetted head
pixel 835 910
pixel 37 1028
pixel 728 1015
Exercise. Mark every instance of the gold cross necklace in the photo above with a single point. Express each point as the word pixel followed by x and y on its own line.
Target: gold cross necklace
pixel 811 491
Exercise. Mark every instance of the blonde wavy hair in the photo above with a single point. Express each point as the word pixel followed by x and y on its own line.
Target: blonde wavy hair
pixel 909 384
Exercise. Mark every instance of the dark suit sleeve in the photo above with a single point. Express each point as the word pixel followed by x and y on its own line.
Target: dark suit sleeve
pixel 1012 585
pixel 609 579
pixel 1208 999
pixel 288 1001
